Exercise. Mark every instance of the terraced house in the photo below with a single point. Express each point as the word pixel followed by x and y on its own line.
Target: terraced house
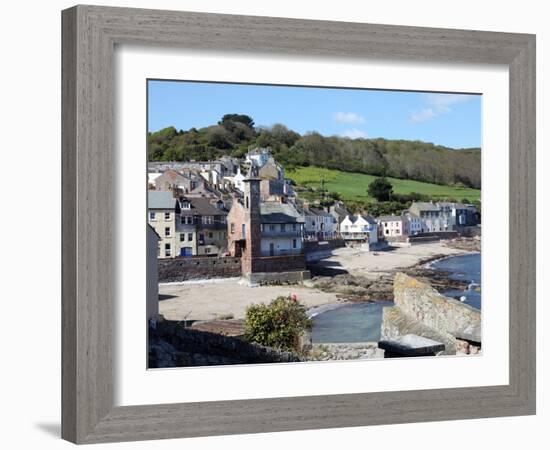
pixel 359 228
pixel 318 224
pixel 393 226
pixel 443 216
pixel 162 215
pixel 201 227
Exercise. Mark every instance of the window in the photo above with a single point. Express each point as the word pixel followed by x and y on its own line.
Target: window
pixel 189 236
pixel 166 216
pixel 151 216
pixel 167 250
pixel 293 227
pixel 283 227
pixel 167 232
pixel 182 237
pixel 271 227
pixel 189 220
pixel 207 250
pixel 294 243
pixel 210 235
pixel 232 228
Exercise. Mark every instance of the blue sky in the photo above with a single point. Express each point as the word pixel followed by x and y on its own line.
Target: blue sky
pixel 453 120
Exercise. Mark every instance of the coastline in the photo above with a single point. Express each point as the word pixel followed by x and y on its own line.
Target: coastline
pixel 360 277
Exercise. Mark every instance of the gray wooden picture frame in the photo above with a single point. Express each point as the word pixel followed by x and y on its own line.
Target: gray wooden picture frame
pixel 90 34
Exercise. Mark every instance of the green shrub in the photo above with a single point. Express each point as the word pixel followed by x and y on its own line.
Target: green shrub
pixel 278 324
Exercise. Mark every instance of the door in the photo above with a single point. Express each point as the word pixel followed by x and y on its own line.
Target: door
pixel 186 251
pixel 271 249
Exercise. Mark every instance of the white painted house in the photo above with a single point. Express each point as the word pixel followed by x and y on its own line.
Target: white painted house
pixel 359 228
pixel 393 226
pixel 258 157
pixel 238 180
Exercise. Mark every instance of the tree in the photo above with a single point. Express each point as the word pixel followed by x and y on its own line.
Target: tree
pixel 218 137
pixel 381 189
pixel 228 119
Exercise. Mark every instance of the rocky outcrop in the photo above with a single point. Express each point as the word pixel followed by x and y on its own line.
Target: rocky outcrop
pixel 420 310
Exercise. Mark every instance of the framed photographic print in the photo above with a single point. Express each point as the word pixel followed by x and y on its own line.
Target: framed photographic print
pixel 278 224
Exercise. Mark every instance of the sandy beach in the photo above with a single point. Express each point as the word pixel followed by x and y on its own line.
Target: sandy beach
pixel 210 300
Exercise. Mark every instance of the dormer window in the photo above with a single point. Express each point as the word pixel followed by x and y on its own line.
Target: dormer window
pixel 185 204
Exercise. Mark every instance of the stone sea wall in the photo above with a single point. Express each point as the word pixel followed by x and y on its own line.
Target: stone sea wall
pixel 421 310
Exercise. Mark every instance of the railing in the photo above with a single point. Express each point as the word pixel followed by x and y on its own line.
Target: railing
pixel 284 252
pixel 286 232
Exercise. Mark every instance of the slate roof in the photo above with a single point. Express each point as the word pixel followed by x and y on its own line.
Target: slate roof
pixel 161 200
pixel 389 218
pixel 425 206
pixel 320 212
pixel 369 219
pixel 202 207
pixel 275 212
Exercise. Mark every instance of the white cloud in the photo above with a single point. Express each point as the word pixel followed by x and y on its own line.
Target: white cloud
pixel 354 133
pixel 423 115
pixel 348 117
pixel 438 104
pixel 443 102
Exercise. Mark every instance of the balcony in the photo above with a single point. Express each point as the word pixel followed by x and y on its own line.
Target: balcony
pixel 287 232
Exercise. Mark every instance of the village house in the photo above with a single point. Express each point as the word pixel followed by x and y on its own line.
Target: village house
pixel 189 183
pixel 236 180
pixel 360 228
pixel 318 224
pixel 339 212
pixel 162 213
pixel 430 217
pixel 258 156
pixel 414 223
pixel 443 216
pixel 393 226
pixel 202 227
pixel 226 165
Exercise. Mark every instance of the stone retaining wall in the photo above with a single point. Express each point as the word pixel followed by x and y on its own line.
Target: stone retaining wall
pixel 194 268
pixel 316 250
pixel 285 263
pixel 171 345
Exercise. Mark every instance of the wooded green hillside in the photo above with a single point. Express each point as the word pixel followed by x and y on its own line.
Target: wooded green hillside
pixel 234 134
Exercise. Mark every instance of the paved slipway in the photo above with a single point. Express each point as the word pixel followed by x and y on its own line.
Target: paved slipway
pixel 211 300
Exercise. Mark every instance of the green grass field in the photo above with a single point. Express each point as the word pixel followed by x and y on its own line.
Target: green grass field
pixel 353 186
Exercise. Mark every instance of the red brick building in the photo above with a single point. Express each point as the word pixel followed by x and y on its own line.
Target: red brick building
pixel 267 235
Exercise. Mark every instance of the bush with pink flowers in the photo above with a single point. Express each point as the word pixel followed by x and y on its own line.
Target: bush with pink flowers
pixel 278 324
